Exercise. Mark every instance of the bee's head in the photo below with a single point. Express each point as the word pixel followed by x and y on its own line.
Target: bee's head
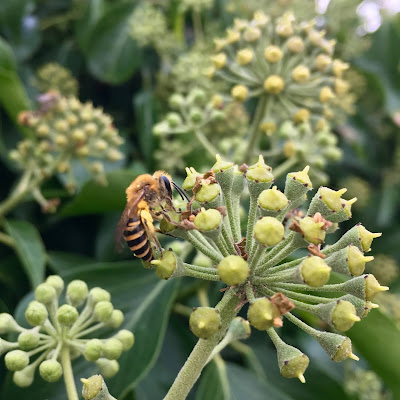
pixel 166 184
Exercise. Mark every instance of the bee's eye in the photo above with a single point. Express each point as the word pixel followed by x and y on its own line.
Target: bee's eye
pixel 167 184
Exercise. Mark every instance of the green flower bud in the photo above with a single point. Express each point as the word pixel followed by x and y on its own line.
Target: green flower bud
pixel 261 314
pixel 221 165
pixel 103 311
pixel 127 338
pixel 366 237
pixel 196 115
pixel 92 387
pixel 239 329
pixel 36 313
pixel 338 347
pixel 50 370
pixel 208 192
pixel 332 198
pixel 269 231
pixel 240 92
pixel 313 231
pixel 28 340
pixel 272 200
pixel 260 172
pixel 233 270
pixel 344 316
pixel 45 293
pixel 208 220
pixel 57 283
pixel 372 287
pixel 204 322
pixel 98 294
pixel 297 184
pixel 77 292
pixel 7 323
pixel 333 153
pixel 347 206
pixel 314 271
pixel 24 378
pixel 6 346
pixel 113 349
pixel 166 226
pixel 116 320
pixel 190 180
pixel 356 260
pixel 202 260
pixel 274 84
pixel 108 368
pixel 166 266
pixel 67 315
pixel 93 350
pixel 16 360
pixel 176 101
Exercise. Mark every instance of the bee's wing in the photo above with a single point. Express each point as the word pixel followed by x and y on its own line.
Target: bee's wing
pixel 130 209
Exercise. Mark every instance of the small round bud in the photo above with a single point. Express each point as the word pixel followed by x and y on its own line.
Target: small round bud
pixel 260 172
pixel 268 127
pixel 190 180
pixel 28 340
pixel 273 54
pixel 16 360
pixel 196 115
pixel 93 350
pixel 176 101
pixel 204 322
pixel 79 135
pixel 92 387
pixel 42 130
pixel 240 92
pixel 301 74
pixel 208 220
pixel 341 87
pixel 251 34
pixel 322 62
pixel 77 292
pixel 57 283
pixel 221 165
pixel 45 293
pixel 302 177
pixel 332 198
pixel 36 313
pixel 372 287
pixel 202 260
pixel 114 155
pixel 232 36
pixel 24 378
pixel 338 67
pixel 103 311
pixel 272 200
pixel 208 192
pixel 67 315
pixel 98 294
pixel 295 44
pixel 116 320
pixel 274 84
pixel 366 237
pixel 90 128
pixel 244 56
pixel 314 271
pixel 344 316
pixel 113 349
pixel 174 120
pixel 108 368
pixel 269 231
pixel 61 140
pixel 356 260
pixel 219 60
pixel 326 94
pixel 313 231
pixel 166 266
pixel 261 314
pixel 303 115
pixel 289 149
pixel 50 370
pixel 233 270
pixel 127 338
pixel 7 323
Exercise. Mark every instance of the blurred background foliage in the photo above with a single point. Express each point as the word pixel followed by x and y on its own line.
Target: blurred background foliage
pixel 127 57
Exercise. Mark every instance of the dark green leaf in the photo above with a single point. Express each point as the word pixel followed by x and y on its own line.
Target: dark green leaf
pixel 29 247
pixel 62 263
pixel 213 383
pixel 113 55
pixel 7 58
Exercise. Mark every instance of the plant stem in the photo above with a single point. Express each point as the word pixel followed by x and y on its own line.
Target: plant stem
pixel 68 374
pixel 206 143
pixel 197 26
pixel 7 240
pixel 282 168
pixel 195 363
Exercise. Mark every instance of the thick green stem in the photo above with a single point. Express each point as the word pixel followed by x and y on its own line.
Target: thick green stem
pixel 250 223
pixel 193 366
pixel 7 240
pixel 233 220
pixel 197 26
pixel 206 143
pixel 68 374
pixel 208 251
pixel 228 240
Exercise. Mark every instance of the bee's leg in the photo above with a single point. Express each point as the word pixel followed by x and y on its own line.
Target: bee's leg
pixel 166 216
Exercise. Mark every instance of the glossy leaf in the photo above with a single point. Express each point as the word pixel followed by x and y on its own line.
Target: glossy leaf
pixel 29 247
pixel 213 383
pixel 113 55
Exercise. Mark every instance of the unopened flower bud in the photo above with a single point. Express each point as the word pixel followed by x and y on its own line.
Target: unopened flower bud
pixel 312 230
pixel 127 338
pixel 344 316
pixel 338 67
pixel 93 350
pixel 16 360
pixel 268 127
pixel 251 34
pixel 301 74
pixel 61 140
pixel 272 200
pixel 98 294
pixel 338 347
pixel 176 101
pixel 274 84
pixel 77 292
pixel 366 237
pixel 322 62
pixel 314 271
pixel 208 220
pixel 57 283
pixel 219 60
pixel 302 115
pixel 24 378
pixel 261 314
pixel 233 270
pixel 295 44
pixel 326 94
pixel 28 340
pixel 297 184
pixel 197 96
pixel 332 198
pixel 208 192
pixel 240 92
pixel 190 180
pixel 372 287
pixel 113 349
pixel 273 54
pixel 174 120
pixel 116 320
pixel 244 56
pixel 166 266
pixel 269 231
pixel 238 329
pixel 202 260
pixel 7 323
pixel 45 293
pixel 260 172
pixel 67 315
pixel 356 260
pixel 196 115
pixel 92 387
pixel 204 322
pixel 103 311
pixel 108 368
pixel 50 370
pixel 232 36
pixel 36 313
pixel 114 155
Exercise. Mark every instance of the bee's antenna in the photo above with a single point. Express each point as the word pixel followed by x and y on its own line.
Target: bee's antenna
pixel 181 192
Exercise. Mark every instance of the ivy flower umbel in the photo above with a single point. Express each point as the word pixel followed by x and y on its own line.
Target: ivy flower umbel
pixel 59 331
pixel 253 266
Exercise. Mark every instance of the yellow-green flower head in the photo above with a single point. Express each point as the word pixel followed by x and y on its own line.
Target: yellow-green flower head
pixel 270 66
pixel 272 199
pixel 314 271
pixel 260 172
pixel 204 322
pixel 53 76
pixel 269 231
pixel 261 314
pixel 233 270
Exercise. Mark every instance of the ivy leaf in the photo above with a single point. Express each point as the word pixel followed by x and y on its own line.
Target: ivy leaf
pixel 29 247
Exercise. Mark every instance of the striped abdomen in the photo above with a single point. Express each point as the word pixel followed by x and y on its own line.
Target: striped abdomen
pixel 136 237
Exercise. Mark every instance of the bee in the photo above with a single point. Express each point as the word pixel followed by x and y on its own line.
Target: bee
pixel 145 195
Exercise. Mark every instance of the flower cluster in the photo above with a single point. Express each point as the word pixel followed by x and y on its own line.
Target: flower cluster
pixel 53 76
pixel 67 130
pixel 253 265
pixel 59 331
